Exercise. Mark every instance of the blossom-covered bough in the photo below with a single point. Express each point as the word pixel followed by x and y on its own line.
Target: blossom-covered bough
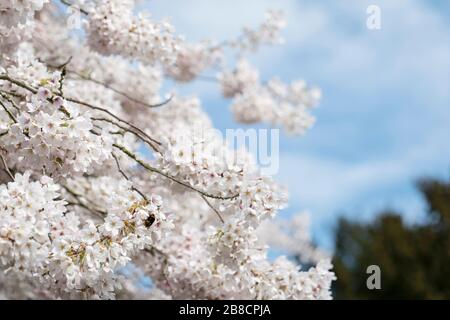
pixel 102 174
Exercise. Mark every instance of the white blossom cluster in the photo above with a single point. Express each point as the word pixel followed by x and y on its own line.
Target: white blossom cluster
pixel 55 144
pixel 267 33
pixel 275 102
pixel 241 79
pixel 193 272
pixel 16 18
pixel 113 29
pixel 49 134
pixel 40 239
pixel 106 182
pixel 229 255
pixel 192 60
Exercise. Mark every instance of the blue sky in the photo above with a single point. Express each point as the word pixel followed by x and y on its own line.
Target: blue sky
pixel 385 117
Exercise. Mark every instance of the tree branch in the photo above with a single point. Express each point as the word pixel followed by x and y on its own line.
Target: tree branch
pixel 67 3
pixel 6 168
pixel 79 203
pixel 128 130
pixel 126 177
pixel 10 115
pixel 213 209
pixel 126 95
pixel 33 90
pixel 114 116
pixel 155 170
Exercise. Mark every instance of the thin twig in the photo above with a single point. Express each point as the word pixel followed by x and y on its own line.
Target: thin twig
pixel 128 130
pixel 81 204
pixel 155 170
pixel 63 75
pixel 126 177
pixel 114 116
pixel 33 90
pixel 11 93
pixel 10 100
pixel 61 81
pixel 162 103
pixel 214 209
pixel 126 95
pixel 6 168
pixel 152 250
pixel 11 116
pixel 98 213
pixel 18 83
pixel 67 3
pixel 7 95
pixel 64 64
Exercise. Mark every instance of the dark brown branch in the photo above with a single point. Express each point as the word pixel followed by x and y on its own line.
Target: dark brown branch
pixel 6 167
pixel 7 96
pixel 11 93
pixel 213 209
pixel 67 3
pixel 10 115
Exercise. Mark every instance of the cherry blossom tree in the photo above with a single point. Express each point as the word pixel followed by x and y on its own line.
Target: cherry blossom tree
pixel 106 180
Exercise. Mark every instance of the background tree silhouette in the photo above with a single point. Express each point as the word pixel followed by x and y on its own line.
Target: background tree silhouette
pixel 414 259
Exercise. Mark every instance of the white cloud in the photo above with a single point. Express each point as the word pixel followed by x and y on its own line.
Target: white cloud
pixel 328 186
